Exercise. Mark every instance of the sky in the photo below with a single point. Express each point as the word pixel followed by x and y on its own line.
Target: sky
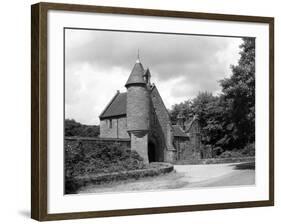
pixel 98 63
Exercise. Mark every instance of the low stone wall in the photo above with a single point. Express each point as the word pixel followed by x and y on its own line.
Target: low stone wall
pixel 154 169
pixel 123 141
pixel 216 160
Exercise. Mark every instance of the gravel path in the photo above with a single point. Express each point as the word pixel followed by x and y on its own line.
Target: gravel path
pixel 184 176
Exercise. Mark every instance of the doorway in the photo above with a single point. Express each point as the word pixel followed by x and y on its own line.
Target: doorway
pixel 151 152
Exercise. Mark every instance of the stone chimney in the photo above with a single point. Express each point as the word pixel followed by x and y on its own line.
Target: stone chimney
pixel 181 120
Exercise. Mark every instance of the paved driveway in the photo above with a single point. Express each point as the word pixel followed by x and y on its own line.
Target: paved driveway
pixel 184 176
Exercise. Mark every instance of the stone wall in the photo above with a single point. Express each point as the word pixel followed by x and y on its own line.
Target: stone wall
pixel 118 129
pixel 154 169
pixel 180 145
pixel 126 142
pixel 195 139
pixel 216 160
pixel 189 152
pixel 190 149
pixel 139 144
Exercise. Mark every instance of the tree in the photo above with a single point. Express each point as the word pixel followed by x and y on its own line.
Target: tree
pixel 73 128
pixel 228 120
pixel 201 105
pixel 239 92
pixel 184 107
pixel 212 113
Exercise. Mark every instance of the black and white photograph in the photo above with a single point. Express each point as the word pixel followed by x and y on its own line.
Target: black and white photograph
pixel 155 111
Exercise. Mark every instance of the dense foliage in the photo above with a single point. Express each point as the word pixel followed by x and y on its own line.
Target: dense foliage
pixel 73 128
pixel 96 158
pixel 228 120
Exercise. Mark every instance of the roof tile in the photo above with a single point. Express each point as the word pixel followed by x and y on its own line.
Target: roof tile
pixel 178 132
pixel 117 107
pixel 136 76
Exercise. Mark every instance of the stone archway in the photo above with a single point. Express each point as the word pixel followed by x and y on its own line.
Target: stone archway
pixel 155 151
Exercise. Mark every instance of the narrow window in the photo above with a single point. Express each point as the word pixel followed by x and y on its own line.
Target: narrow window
pixel 110 123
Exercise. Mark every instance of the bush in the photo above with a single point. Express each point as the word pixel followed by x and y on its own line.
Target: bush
pixel 246 166
pixel 217 151
pixel 230 154
pixel 92 157
pixel 74 128
pixel 249 150
pixel 89 157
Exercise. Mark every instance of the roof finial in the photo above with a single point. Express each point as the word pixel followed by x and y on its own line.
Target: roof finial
pixel 138 56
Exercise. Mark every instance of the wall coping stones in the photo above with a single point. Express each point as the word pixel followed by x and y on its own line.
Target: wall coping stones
pixel 75 138
pixel 154 169
pixel 216 160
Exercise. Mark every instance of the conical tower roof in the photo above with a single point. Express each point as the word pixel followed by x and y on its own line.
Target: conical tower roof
pixel 136 76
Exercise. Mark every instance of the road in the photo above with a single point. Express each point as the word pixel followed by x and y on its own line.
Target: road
pixel 183 176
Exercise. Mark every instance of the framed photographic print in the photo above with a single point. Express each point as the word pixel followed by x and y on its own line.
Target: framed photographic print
pixel 140 111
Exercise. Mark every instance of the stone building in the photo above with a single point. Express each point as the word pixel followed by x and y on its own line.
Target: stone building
pixel 141 116
pixel 187 138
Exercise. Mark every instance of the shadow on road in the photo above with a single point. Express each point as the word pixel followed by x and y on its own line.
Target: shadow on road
pixel 245 166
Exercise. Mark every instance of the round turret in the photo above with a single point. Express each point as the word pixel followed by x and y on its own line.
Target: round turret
pixel 137 102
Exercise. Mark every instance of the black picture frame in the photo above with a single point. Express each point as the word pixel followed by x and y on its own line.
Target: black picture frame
pixel 39 106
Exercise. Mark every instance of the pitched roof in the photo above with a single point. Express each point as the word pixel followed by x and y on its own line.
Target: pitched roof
pixel 178 132
pixel 136 76
pixel 116 107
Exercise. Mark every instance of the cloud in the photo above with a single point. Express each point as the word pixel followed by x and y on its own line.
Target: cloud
pixel 99 62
